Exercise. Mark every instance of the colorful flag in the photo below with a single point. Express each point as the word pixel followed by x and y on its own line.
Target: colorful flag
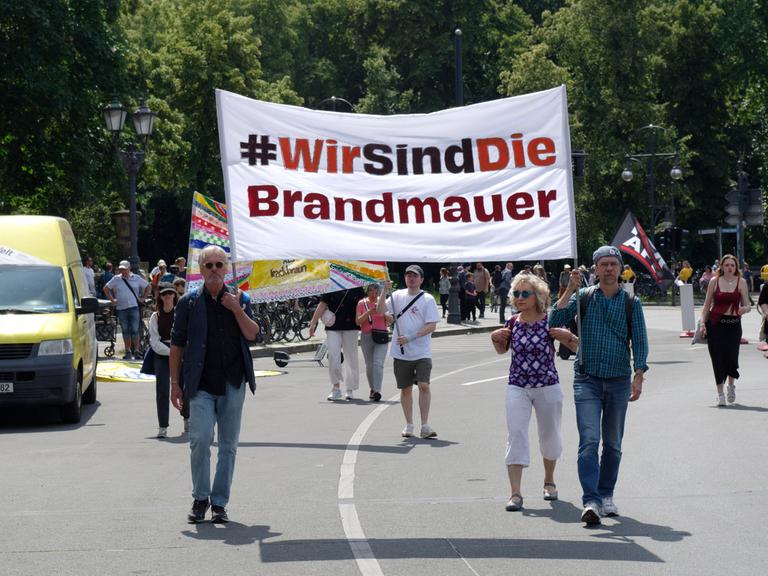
pixel 271 280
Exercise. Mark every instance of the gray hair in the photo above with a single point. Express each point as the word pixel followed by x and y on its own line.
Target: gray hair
pixel 540 288
pixel 208 250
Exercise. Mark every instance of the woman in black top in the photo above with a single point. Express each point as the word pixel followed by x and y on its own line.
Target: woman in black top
pixel 342 334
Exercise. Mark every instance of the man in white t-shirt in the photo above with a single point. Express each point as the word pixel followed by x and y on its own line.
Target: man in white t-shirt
pixel 415 317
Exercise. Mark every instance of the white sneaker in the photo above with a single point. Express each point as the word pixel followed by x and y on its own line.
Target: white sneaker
pixel 162 433
pixel 720 400
pixel 609 508
pixel 407 431
pixel 350 395
pixel 730 393
pixel 427 432
pixel 591 514
pixel 334 395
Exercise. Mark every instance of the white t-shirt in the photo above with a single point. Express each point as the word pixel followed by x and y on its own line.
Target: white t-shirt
pixel 124 295
pixel 90 280
pixel 422 312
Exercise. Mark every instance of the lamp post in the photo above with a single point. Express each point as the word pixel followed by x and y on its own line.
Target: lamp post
pixel 131 157
pixel 454 308
pixel 650 155
pixel 333 100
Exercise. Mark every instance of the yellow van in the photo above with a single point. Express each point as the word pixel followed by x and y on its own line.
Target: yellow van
pixel 48 348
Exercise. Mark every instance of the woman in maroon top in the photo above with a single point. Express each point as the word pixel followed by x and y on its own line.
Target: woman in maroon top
pixel 726 302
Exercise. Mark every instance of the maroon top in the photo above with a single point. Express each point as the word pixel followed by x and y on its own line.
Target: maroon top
pixel 723 302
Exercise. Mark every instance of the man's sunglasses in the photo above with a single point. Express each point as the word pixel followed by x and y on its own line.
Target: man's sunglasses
pixel 210 265
pixel 521 293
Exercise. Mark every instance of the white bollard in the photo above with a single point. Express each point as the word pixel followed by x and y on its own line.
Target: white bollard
pixel 687 311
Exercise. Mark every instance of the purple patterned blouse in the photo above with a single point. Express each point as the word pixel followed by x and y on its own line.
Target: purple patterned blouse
pixel 533 354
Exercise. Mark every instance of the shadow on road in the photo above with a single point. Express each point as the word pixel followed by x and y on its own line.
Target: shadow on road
pixel 231 533
pixel 42 418
pixel 403 448
pixel 741 407
pixel 445 548
pixel 618 527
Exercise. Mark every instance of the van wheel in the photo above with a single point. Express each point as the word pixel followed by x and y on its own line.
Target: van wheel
pixel 90 395
pixel 70 413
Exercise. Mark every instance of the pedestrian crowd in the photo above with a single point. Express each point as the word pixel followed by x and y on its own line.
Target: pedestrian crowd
pixel 202 361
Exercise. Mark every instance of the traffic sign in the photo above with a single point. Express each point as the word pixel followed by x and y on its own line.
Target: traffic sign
pixel 733 220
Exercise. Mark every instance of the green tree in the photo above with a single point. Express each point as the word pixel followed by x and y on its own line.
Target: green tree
pixel 60 64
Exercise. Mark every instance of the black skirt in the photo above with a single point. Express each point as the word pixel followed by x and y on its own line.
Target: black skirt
pixel 723 341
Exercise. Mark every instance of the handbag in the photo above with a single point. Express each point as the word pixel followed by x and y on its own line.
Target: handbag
pixel 698 336
pixel 328 317
pixel 377 335
pixel 380 336
pixel 148 365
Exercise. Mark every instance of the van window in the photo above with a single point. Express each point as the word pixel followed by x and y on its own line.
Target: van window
pixel 73 284
pixel 32 289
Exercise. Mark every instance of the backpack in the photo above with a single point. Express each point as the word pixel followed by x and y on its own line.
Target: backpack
pixel 586 297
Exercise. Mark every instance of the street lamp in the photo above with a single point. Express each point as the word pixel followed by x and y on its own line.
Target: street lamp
pixel 650 155
pixel 131 157
pixel 333 100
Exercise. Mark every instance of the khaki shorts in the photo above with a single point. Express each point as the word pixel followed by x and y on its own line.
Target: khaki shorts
pixel 409 372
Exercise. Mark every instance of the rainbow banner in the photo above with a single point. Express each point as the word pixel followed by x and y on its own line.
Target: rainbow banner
pixel 272 280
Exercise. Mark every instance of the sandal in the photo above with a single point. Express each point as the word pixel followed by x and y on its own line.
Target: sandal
pixel 550 491
pixel 514 505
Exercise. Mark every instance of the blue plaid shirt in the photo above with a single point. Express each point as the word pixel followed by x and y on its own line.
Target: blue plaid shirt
pixel 603 338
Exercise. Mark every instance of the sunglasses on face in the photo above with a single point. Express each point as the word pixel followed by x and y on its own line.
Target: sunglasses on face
pixel 210 265
pixel 522 293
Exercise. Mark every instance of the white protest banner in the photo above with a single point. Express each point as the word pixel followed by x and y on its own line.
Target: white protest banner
pixel 484 182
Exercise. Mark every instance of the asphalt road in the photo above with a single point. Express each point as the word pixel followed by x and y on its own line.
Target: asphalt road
pixel 332 488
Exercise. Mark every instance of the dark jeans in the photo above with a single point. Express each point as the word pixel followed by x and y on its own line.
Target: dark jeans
pixel 162 389
pixel 444 303
pixel 481 303
pixel 503 297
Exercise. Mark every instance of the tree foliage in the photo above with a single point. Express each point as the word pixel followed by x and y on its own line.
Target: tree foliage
pixel 697 67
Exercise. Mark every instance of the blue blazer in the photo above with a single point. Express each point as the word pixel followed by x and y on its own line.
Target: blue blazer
pixel 190 330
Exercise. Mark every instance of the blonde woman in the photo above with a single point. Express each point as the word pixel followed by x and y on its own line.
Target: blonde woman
pixel 727 300
pixel 533 383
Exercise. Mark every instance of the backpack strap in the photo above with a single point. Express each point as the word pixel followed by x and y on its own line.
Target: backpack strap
pixel 411 303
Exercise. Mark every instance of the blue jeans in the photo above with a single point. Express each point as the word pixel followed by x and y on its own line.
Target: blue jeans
pixel 205 411
pixel 129 321
pixel 601 407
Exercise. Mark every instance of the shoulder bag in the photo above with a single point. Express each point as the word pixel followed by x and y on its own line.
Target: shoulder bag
pixel 377 335
pixel 328 317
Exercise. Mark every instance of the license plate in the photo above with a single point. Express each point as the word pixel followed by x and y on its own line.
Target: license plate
pixel 6 387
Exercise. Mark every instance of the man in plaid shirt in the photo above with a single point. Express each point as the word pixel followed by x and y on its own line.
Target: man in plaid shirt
pixel 606 377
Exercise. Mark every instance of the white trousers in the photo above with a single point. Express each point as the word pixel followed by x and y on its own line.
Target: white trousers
pixel 346 375
pixel 548 404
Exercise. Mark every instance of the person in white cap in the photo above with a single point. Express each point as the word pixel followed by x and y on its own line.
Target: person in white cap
pixel 415 317
pixel 127 291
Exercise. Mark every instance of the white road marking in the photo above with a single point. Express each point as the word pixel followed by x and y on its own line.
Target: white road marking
pixel 505 377
pixel 353 530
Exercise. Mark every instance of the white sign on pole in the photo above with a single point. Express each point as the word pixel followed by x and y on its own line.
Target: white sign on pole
pixel 687 311
pixel 482 182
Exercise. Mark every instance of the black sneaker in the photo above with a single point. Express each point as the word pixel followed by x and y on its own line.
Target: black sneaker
pixel 376 396
pixel 197 513
pixel 219 515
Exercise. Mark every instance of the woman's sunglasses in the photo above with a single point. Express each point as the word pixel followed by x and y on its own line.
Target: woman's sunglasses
pixel 210 265
pixel 521 293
